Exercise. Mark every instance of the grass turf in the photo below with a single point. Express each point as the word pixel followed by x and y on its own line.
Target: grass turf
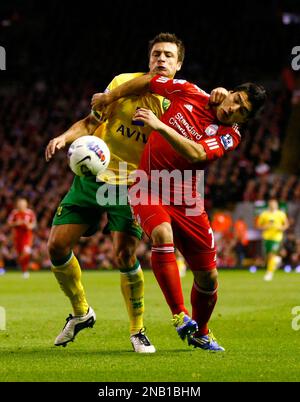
pixel 252 320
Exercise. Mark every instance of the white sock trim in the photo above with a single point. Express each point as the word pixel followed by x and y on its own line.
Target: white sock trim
pixel 206 292
pixel 66 263
pixel 133 272
pixel 164 249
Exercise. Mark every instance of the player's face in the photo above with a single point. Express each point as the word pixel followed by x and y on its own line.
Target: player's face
pixel 22 204
pixel 235 108
pixel 164 59
pixel 273 205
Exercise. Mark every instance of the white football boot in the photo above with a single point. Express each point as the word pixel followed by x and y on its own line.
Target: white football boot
pixel 141 343
pixel 74 325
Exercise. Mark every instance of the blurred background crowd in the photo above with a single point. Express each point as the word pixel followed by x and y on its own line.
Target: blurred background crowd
pixel 58 56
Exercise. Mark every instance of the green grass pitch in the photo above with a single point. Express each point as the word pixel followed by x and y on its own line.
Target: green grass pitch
pixel 252 320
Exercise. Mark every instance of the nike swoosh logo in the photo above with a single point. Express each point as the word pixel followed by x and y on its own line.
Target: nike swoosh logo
pixel 83 159
pixel 175 90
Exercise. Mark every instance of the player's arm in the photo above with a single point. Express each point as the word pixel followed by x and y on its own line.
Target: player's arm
pixel 280 224
pixel 263 223
pixel 13 224
pixel 32 225
pixel 145 83
pixel 86 126
pixel 16 223
pixel 11 220
pixel 136 86
pixel 211 148
pixel 189 149
pixel 260 223
pixel 217 96
pixel 286 223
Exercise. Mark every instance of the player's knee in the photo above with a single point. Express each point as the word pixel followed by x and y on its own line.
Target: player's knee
pixel 162 234
pixel 207 281
pixel 57 247
pixel 125 257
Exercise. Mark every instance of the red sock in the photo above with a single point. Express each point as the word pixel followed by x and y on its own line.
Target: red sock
pixel 24 262
pixel 166 271
pixel 203 304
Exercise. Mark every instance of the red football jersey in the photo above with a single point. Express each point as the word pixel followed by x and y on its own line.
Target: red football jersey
pixel 189 117
pixel 27 216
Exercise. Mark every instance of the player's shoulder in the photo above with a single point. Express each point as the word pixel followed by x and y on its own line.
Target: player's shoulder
pixel 198 90
pixel 282 213
pixel 264 213
pixel 191 87
pixel 13 214
pixel 120 78
pixel 181 82
pixel 181 85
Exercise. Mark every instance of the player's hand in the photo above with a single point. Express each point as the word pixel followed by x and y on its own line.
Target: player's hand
pixel 53 146
pixel 101 100
pixel 148 117
pixel 217 96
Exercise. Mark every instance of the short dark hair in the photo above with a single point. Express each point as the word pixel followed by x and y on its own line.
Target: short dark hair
pixel 256 95
pixel 168 37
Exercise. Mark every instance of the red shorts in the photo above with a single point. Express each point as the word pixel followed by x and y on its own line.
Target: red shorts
pixel 193 235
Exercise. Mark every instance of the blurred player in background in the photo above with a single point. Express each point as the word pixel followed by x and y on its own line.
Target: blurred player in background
pixel 240 232
pixel 79 212
pixel 203 134
pixel 181 263
pixel 22 220
pixel 273 222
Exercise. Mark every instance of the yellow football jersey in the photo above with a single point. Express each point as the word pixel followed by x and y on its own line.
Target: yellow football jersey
pixel 276 220
pixel 124 137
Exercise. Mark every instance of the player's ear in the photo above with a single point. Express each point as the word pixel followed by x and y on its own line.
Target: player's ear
pixel 179 64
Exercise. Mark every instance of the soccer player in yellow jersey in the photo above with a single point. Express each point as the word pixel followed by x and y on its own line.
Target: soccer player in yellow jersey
pixel 79 212
pixel 273 222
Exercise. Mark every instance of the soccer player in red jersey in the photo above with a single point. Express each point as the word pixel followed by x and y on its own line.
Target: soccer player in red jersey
pixel 190 135
pixel 22 220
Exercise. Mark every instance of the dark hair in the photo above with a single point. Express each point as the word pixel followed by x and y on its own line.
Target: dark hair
pixel 256 95
pixel 168 37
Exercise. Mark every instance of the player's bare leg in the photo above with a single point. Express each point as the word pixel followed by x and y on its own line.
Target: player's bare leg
pixel 273 262
pixel 203 299
pixel 132 286
pixel 67 271
pixel 24 260
pixel 166 271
